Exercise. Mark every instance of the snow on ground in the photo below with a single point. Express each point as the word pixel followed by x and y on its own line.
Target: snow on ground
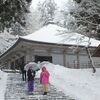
pixel 3 80
pixel 81 84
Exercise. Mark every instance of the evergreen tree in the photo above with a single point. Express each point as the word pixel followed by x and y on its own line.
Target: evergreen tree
pixel 78 1
pixel 87 17
pixel 12 11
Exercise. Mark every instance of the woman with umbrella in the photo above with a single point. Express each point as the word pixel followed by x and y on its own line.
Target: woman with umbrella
pixel 31 76
pixel 33 65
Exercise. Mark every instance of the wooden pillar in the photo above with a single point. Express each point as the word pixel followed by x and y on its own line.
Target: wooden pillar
pixel 64 58
pixel 28 55
pixel 49 51
pixel 9 63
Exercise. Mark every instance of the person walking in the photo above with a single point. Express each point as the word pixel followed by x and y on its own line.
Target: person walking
pixel 30 76
pixel 44 79
pixel 23 72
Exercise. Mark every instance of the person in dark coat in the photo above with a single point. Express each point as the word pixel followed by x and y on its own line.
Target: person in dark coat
pixel 23 72
pixel 31 76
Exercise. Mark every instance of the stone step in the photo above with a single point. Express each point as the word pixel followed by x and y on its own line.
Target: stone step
pixel 17 90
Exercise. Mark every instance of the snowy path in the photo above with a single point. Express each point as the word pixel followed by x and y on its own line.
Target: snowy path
pixel 17 90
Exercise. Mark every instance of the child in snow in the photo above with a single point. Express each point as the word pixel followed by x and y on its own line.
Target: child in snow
pixel 31 76
pixel 44 79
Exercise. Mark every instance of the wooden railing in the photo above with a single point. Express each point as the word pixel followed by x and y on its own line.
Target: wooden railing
pixel 82 65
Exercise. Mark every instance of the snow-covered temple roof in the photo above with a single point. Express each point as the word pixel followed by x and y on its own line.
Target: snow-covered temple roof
pixel 52 33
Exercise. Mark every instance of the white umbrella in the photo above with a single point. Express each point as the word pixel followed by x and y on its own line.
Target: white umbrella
pixel 33 65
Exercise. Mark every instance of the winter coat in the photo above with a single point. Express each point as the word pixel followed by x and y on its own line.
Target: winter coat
pixel 21 66
pixel 31 75
pixel 44 76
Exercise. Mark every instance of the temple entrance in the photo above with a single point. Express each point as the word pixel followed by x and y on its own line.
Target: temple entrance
pixel 15 64
pixel 43 58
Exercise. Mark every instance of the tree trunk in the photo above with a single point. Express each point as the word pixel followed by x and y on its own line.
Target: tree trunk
pixel 91 60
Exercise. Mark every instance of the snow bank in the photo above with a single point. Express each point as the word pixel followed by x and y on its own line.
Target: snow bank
pixel 3 81
pixel 80 84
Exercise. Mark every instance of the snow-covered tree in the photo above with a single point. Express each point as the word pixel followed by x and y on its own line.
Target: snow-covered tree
pixel 32 22
pixel 47 11
pixel 12 21
pixel 68 20
pixel 80 18
pixel 12 11
pixel 17 29
pixel 6 40
pixel 87 17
